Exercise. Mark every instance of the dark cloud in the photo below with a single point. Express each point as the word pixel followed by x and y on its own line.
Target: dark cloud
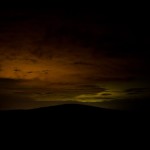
pixel 91 86
pixel 8 102
pixel 86 64
pixel 31 60
pixel 25 89
pixel 106 94
pixel 14 101
pixel 8 82
pixel 137 91
pixel 96 98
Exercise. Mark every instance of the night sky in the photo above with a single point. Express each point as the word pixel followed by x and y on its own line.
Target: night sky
pixel 56 56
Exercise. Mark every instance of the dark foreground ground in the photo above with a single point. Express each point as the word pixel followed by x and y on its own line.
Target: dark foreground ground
pixel 74 120
pixel 75 113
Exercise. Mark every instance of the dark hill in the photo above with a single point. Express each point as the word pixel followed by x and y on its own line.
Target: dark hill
pixel 73 112
pixel 72 116
pixel 65 109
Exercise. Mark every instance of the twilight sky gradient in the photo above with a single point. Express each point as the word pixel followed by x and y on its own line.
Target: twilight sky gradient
pixel 54 56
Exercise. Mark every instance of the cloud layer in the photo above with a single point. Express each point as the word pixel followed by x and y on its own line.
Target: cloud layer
pixel 51 56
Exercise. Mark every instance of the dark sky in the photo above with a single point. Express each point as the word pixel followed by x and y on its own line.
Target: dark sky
pixel 50 56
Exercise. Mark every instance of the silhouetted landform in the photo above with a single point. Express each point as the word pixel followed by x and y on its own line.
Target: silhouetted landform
pixel 74 112
pixel 64 109
pixel 71 117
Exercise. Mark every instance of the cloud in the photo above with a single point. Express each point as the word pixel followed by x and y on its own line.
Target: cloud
pixel 8 92
pixel 37 90
pixel 76 53
pixel 137 91
pixel 103 95
pixel 9 82
pixel 67 47
pixel 9 102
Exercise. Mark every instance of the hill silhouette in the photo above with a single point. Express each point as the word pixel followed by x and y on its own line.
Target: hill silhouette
pixel 73 112
pixel 73 115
